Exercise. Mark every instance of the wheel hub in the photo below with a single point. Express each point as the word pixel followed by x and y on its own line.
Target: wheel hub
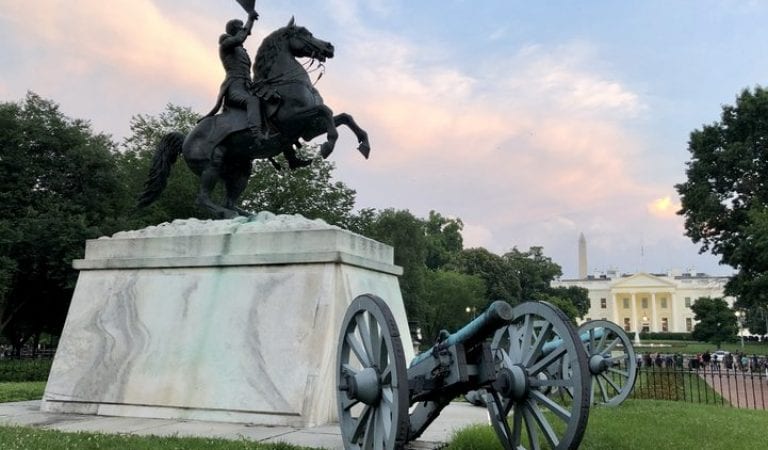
pixel 597 364
pixel 364 386
pixel 512 382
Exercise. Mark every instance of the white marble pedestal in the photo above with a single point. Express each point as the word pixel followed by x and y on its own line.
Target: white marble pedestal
pixel 232 320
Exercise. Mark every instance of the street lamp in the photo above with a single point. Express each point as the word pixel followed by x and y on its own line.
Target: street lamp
pixel 472 310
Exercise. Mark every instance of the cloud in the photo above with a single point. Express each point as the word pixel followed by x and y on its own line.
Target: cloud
pixel 94 38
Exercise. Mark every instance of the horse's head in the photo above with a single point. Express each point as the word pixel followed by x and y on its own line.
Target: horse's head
pixel 304 45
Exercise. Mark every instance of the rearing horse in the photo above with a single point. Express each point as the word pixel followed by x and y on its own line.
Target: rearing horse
pixel 294 110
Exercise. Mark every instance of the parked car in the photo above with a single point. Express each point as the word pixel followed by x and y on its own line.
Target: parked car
pixel 719 355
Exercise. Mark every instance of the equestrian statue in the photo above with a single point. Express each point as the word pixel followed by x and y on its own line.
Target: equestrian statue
pixel 255 117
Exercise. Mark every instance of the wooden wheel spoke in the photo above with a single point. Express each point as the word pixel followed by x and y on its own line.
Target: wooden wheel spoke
pixel 547 361
pixel 623 373
pixel 365 336
pixel 361 424
pixel 611 382
pixel 601 344
pixel 544 425
pixel 358 349
pixel 348 404
pixel 603 390
pixel 517 426
pixel 552 405
pixel 533 435
pixel 525 343
pixel 610 347
pixel 551 382
pixel 543 336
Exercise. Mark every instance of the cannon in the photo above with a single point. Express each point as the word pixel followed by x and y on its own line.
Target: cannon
pixel 509 352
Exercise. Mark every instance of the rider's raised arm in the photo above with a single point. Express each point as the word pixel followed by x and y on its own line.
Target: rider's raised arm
pixel 230 41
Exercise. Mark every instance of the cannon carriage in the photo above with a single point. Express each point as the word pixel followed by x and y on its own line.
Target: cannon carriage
pixel 534 371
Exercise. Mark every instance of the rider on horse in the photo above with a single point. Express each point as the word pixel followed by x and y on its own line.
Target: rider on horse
pixel 236 90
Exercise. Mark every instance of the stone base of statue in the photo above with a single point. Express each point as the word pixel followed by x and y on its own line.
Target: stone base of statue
pixel 232 320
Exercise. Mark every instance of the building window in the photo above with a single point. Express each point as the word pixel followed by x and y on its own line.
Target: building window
pixel 644 302
pixel 688 324
pixel 603 303
pixel 664 303
pixel 664 324
pixel 587 319
pixel 626 303
pixel 687 302
pixel 626 324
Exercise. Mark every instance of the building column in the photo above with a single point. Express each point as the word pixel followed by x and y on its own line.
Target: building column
pixel 654 315
pixel 672 324
pixel 635 318
pixel 615 306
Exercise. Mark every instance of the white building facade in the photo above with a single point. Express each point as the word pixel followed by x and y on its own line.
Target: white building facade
pixel 648 302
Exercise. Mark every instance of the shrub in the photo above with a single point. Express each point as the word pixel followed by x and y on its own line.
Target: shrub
pixel 24 369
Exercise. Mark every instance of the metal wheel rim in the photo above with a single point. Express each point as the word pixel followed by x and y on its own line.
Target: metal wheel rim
pixel 547 421
pixel 612 386
pixel 370 338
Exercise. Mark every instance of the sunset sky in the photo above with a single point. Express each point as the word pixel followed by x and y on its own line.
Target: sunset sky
pixel 530 121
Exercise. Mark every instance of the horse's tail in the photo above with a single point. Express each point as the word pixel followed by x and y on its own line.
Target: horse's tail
pixel 168 150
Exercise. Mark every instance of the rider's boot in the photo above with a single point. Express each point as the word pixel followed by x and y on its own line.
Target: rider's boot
pixel 257 134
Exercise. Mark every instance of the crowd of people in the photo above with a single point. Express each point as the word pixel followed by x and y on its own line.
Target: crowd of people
pixel 737 362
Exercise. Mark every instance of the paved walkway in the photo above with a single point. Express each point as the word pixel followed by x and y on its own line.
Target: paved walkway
pixel 454 417
pixel 742 390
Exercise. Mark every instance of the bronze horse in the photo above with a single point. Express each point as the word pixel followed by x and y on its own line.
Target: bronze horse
pixel 297 113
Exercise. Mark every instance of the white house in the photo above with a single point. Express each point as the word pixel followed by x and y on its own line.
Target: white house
pixel 645 301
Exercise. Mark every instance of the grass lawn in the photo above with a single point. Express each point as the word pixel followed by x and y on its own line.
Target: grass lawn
pixel 656 425
pixel 20 391
pixel 25 438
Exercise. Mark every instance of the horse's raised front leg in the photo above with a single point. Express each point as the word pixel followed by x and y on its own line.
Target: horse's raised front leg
pixel 362 136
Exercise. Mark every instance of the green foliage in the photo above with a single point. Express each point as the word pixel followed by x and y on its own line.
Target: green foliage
pixel 451 300
pixel 309 191
pixel 534 271
pixel 725 196
pixel 21 391
pixel 664 336
pixel 444 239
pixel 717 322
pixel 178 200
pixel 25 369
pixel 57 188
pixel 405 232
pixel 501 282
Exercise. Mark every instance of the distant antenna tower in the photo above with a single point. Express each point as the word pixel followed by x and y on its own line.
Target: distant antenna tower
pixel 582 256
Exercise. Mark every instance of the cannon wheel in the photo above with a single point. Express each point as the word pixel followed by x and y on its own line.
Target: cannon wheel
pixel 612 361
pixel 372 382
pixel 538 339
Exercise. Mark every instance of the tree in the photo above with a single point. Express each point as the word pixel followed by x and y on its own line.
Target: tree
pixel 444 239
pixel 405 232
pixel 534 270
pixel 57 189
pixel 501 281
pixel 309 191
pixel 725 196
pixel 717 322
pixel 178 200
pixel 447 297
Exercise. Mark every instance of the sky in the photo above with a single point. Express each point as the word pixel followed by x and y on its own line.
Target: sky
pixel 532 122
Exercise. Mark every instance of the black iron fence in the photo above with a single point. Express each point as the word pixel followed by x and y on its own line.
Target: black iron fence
pixel 740 387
